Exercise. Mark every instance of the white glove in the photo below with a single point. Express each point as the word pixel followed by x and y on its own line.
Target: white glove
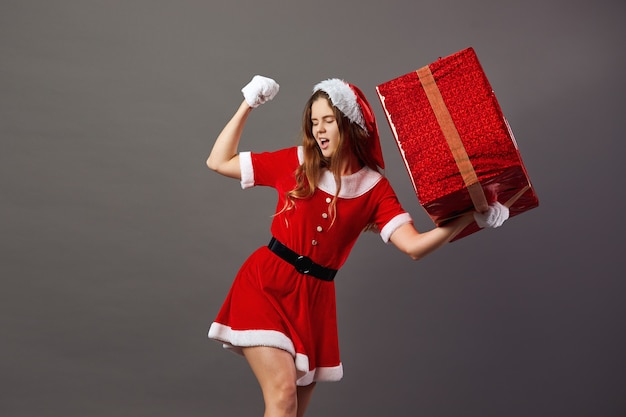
pixel 493 217
pixel 259 90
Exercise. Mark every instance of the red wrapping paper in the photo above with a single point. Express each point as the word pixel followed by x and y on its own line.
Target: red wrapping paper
pixel 471 115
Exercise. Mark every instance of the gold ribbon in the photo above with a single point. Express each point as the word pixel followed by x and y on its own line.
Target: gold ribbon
pixel 453 138
pixel 516 197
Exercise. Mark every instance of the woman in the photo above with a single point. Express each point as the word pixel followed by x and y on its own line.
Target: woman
pixel 280 311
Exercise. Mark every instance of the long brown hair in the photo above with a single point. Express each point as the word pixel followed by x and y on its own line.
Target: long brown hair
pixel 352 139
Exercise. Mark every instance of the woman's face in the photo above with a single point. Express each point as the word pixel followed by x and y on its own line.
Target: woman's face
pixel 325 128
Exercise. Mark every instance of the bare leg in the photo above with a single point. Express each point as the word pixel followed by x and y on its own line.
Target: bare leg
pixel 304 397
pixel 276 372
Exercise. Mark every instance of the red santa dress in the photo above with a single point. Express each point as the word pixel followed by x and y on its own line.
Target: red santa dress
pixel 272 304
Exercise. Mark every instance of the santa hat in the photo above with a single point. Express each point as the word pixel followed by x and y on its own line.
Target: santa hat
pixel 351 101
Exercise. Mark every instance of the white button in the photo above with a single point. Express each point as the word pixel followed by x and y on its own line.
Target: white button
pixel 319 228
pixel 314 242
pixel 325 215
pixel 328 199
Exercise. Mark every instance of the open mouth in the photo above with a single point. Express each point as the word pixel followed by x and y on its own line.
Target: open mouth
pixel 324 143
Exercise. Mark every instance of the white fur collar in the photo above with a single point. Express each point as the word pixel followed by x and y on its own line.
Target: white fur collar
pixel 353 185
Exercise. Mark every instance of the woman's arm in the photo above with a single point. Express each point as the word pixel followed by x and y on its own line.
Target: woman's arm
pixel 224 157
pixel 417 245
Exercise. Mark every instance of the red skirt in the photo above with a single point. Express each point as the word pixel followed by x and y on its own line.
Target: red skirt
pixel 271 304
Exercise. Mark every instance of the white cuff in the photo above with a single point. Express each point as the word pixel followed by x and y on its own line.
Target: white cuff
pixel 247 170
pixel 393 225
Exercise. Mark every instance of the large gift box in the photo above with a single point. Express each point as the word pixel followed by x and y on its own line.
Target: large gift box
pixel 455 141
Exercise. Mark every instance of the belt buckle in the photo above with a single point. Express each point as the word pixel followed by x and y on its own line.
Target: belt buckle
pixel 303 264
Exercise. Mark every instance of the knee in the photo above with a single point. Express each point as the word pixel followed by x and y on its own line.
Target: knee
pixel 284 397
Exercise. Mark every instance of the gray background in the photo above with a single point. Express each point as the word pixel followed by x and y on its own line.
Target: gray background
pixel 117 245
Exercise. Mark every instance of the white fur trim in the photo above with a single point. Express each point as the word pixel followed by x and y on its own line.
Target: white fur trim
pixel 352 186
pixel 393 225
pixel 343 98
pixel 328 374
pixel 235 340
pixel 247 170
pixel 301 154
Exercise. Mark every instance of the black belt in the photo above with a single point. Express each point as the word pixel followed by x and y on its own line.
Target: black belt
pixel 303 264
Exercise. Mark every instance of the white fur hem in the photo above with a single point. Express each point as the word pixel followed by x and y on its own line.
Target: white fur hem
pixel 235 340
pixel 247 170
pixel 393 225
pixel 327 374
